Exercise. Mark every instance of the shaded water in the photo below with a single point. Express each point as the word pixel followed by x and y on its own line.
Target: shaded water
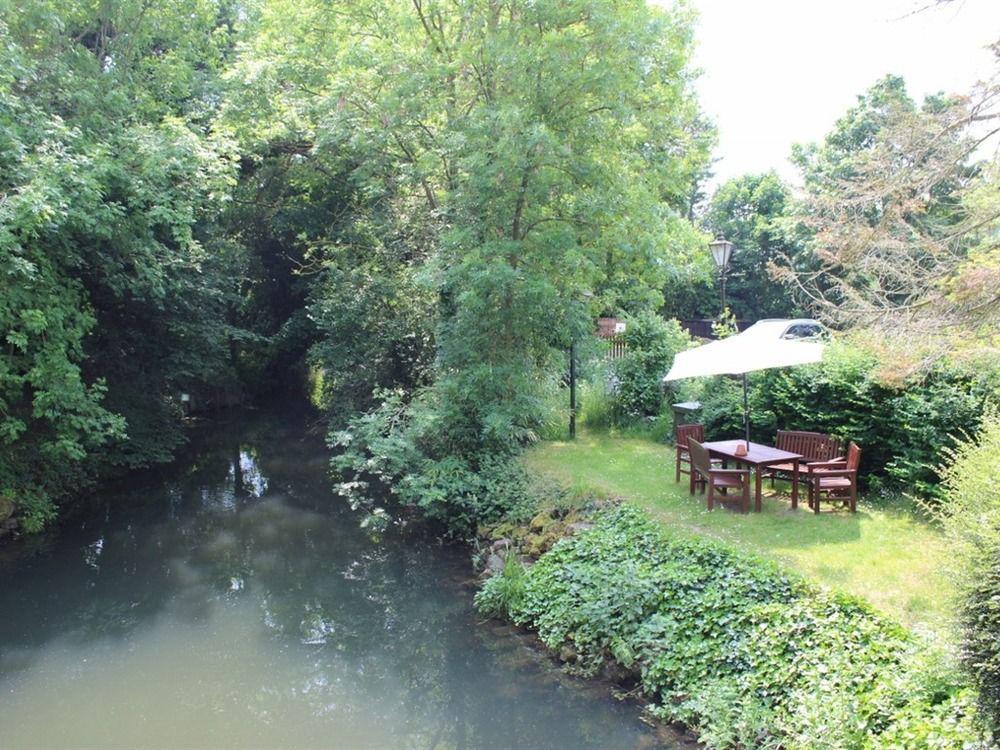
pixel 234 602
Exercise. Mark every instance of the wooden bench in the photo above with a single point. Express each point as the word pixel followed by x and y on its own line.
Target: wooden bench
pixel 812 446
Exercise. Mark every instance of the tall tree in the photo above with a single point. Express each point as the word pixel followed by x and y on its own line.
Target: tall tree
pixel 902 213
pixel 543 154
pixel 751 212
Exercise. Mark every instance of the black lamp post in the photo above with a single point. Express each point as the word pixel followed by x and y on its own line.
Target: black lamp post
pixel 585 297
pixel 572 389
pixel 722 251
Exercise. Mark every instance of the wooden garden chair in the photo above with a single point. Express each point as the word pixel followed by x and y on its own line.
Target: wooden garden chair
pixel 715 479
pixel 835 481
pixel 683 433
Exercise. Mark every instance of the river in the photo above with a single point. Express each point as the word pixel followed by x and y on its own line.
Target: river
pixel 231 600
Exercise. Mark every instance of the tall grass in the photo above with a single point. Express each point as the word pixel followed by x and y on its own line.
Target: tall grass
pixel 596 405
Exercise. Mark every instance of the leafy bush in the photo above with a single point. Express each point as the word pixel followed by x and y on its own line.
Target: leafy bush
pixel 730 644
pixel 650 345
pixel 394 445
pixel 972 521
pixel 722 408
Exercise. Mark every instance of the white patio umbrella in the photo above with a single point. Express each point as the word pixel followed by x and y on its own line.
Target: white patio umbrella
pixel 762 346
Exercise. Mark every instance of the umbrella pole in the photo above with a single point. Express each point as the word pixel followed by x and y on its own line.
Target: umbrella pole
pixel 746 412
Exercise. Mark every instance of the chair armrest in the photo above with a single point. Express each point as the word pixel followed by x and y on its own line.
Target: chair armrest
pixel 810 468
pixel 849 473
pixel 743 472
pixel 811 462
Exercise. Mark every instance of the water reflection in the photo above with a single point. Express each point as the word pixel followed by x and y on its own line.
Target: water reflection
pixel 236 603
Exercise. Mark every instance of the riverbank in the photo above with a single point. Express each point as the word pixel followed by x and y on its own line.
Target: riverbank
pixel 886 553
pixel 729 644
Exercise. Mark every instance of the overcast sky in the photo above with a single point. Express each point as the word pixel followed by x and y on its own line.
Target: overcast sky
pixel 777 72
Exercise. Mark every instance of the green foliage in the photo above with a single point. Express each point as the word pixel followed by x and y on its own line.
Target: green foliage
pixel 754 657
pixel 898 215
pixel 112 296
pixel 856 131
pixel 725 326
pixel 650 346
pixel 597 403
pixel 751 212
pixel 972 520
pixel 722 408
pixel 375 331
pixel 503 594
pixel 475 224
pixel 903 428
pixel 397 444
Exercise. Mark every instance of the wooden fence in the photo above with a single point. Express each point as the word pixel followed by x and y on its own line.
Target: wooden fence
pixel 702 327
pixel 699 328
pixel 616 347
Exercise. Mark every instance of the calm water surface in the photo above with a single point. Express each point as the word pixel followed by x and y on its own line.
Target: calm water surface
pixel 233 601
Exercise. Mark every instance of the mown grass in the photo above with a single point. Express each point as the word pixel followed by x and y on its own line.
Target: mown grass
pixel 886 554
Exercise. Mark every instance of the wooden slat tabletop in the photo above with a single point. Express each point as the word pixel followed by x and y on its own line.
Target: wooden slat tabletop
pixel 756 455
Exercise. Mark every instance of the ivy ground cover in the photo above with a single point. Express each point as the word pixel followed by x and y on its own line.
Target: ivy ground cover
pixel 730 644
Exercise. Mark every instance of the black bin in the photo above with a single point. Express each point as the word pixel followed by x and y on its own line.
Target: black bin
pixel 686 412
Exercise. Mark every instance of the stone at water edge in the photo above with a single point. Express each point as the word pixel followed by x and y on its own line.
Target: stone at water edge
pixel 501 545
pixel 567 653
pixel 495 564
pixel 542 521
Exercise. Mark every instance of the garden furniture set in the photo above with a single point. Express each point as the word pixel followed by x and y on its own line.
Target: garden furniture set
pixel 810 457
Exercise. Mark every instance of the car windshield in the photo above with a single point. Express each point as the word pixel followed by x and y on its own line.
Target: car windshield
pixel 803 331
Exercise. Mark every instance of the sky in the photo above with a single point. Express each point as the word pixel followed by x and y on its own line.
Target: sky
pixel 778 72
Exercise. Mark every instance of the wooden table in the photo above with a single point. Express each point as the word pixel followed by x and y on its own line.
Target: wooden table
pixel 758 456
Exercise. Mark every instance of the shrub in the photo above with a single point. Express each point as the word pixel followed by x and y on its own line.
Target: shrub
pixel 650 345
pixel 503 594
pixel 972 521
pixel 464 493
pixel 722 408
pixel 390 445
pixel 730 644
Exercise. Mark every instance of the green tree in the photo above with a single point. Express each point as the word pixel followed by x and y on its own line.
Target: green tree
pixel 112 300
pixel 971 518
pixel 900 218
pixel 650 346
pixel 519 168
pixel 751 212
pixel 857 131
pixel 566 182
pixel 531 157
pixel 332 217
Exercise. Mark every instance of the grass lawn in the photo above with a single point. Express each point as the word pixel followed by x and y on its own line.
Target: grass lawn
pixel 886 555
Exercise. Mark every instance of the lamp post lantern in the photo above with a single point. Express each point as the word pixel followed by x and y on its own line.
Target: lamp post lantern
pixel 722 251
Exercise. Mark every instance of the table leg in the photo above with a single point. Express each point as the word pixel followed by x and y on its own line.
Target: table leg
pixel 795 483
pixel 756 497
